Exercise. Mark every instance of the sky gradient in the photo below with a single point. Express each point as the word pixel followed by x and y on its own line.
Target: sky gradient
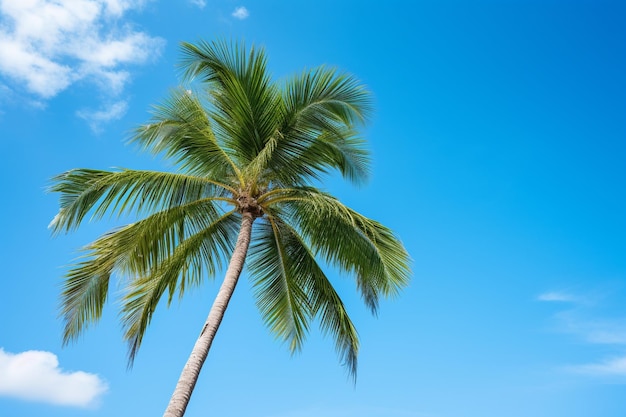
pixel 499 158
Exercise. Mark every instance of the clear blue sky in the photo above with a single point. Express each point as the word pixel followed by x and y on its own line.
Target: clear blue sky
pixel 499 146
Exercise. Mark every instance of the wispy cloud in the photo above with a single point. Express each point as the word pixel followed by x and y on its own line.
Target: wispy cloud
pixel 11 98
pixel 609 367
pixel 6 95
pixel 558 296
pixel 36 376
pixel 591 329
pixel 48 45
pixel 241 13
pixel 200 3
pixel 583 319
pixel 96 118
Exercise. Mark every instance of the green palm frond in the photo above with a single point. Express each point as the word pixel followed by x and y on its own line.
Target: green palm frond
pixel 345 151
pixel 143 245
pixel 304 161
pixel 334 319
pixel 292 289
pixel 132 250
pixel 279 279
pixel 124 191
pixel 180 129
pixel 350 241
pixel 322 97
pixel 319 112
pixel 244 99
pixel 199 254
pixel 84 293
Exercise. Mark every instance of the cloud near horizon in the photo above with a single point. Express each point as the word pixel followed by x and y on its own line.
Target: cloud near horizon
pixel 36 376
pixel 583 320
pixel 610 367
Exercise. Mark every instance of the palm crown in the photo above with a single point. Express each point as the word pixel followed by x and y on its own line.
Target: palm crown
pixel 247 150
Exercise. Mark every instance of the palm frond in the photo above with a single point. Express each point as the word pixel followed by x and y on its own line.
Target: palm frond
pixel 278 277
pixel 300 161
pixel 83 295
pixel 245 100
pixel 334 319
pixel 322 97
pixel 124 191
pixel 141 246
pixel 348 240
pixel 132 250
pixel 180 128
pixel 322 301
pixel 320 110
pixel 197 255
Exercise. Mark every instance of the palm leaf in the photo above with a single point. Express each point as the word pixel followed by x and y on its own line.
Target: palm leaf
pixel 180 128
pixel 321 300
pixel 133 250
pixel 279 281
pixel 318 112
pixel 84 293
pixel 321 97
pixel 303 161
pixel 124 191
pixel 244 99
pixel 350 241
pixel 198 254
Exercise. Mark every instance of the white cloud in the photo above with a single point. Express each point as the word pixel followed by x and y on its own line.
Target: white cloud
pixel 586 318
pixel 38 74
pixel 118 7
pixel 47 45
pixel 558 296
pixel 241 13
pixel 610 367
pixel 35 376
pixel 593 330
pixel 200 3
pixel 6 94
pixel 97 118
pixel 9 97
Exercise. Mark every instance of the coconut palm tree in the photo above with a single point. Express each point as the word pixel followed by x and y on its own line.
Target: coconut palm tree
pixel 249 152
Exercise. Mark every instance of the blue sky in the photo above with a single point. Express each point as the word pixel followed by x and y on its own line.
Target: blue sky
pixel 499 145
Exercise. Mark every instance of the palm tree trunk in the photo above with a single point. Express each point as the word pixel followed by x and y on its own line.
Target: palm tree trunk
pixel 189 376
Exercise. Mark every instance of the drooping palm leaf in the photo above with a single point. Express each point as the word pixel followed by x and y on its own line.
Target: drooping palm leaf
pixel 279 279
pixel 84 293
pixel 292 290
pixel 195 257
pixel 350 241
pixel 133 250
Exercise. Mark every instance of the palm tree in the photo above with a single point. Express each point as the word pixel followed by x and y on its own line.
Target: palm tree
pixel 248 151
